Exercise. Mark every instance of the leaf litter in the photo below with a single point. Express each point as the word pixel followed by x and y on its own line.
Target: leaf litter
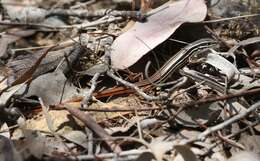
pixel 130 80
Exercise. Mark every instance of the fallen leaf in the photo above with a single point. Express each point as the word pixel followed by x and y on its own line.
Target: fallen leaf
pixel 251 143
pixel 77 137
pixel 35 144
pixel 192 117
pixel 147 156
pixel 160 147
pixel 62 123
pixel 24 12
pixel 48 118
pixel 7 150
pixel 223 65
pixel 54 90
pixel 8 93
pixel 244 156
pixel 28 73
pixel 186 153
pixel 11 36
pixel 129 47
pixel 5 131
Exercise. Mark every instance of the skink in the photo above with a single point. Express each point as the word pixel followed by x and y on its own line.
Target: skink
pixel 176 62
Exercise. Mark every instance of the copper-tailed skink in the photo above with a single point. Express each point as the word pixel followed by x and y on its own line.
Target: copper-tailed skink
pixel 176 62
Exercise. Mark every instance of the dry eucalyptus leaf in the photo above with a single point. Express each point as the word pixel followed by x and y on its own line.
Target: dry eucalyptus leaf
pixel 251 143
pixel 123 129
pixel 8 93
pixel 186 153
pixel 24 74
pixel 188 134
pixel 21 122
pixel 216 156
pixel 54 90
pixel 53 21
pixel 24 12
pixel 98 68
pixel 77 137
pixel 48 118
pixel 143 37
pixel 257 128
pixel 244 156
pixel 5 131
pixel 147 156
pixel 62 122
pixel 223 65
pixel 117 103
pixel 227 8
pixel 7 150
pixel 34 144
pixel 207 113
pixel 10 37
pixel 160 147
pixel 4 42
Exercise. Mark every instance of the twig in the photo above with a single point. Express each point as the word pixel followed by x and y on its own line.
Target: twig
pixel 99 13
pixel 91 24
pixel 78 26
pixel 139 129
pixel 8 23
pixel 216 36
pixel 89 93
pixel 230 18
pixel 229 121
pixel 138 90
pixel 229 141
pixel 49 122
pixel 189 88
pixel 244 43
pixel 231 136
pixel 90 140
pixel 91 124
pixel 27 75
pixel 134 153
pixel 48 119
pixel 179 41
pixel 225 97
pixel 31 48
pixel 81 4
pixel 115 109
pixel 244 129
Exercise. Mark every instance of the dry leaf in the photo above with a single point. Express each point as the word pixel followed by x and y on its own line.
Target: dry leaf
pixel 186 153
pixel 77 137
pixel 244 156
pixel 27 74
pixel 5 131
pixel 147 156
pixel 223 65
pixel 8 93
pixel 61 118
pixel 7 150
pixel 56 89
pixel 190 117
pixel 11 36
pixel 143 37
pixel 24 12
pixel 160 147
pixel 36 144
